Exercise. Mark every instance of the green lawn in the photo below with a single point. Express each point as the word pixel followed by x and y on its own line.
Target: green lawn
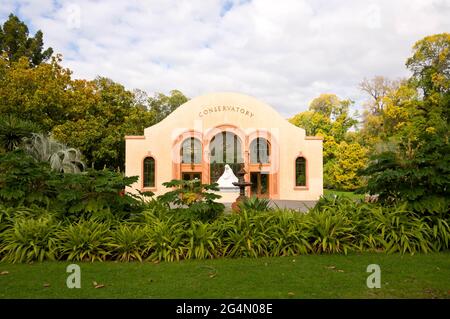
pixel 310 276
pixel 343 194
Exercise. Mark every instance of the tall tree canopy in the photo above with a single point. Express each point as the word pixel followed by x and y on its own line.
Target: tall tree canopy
pixel 15 42
pixel 415 167
pixel 92 116
pixel 163 105
pixel 97 127
pixel 328 116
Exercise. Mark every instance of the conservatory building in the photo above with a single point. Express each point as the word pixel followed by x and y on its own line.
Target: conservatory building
pixel 213 136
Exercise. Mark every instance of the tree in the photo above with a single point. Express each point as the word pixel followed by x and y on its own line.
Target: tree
pixel 313 123
pixel 377 88
pixel 325 104
pixel 384 110
pixel 162 105
pixel 15 42
pixel 44 95
pixel 91 116
pixel 342 171
pixel 13 131
pixel 430 64
pixel 98 127
pixel 416 170
pixel 328 116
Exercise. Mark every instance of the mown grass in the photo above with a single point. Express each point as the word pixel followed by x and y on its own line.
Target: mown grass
pixel 306 276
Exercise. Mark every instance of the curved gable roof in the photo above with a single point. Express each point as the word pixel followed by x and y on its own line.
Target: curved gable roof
pixel 224 107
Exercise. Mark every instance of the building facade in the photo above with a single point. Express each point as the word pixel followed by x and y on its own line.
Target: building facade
pixel 200 137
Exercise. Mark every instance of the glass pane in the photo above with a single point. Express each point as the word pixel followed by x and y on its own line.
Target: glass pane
pixel 226 147
pixel 300 172
pixel 259 151
pixel 149 172
pixel 264 183
pixel 197 151
pixel 191 151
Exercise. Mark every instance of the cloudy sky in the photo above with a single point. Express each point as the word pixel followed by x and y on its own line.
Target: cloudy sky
pixel 284 52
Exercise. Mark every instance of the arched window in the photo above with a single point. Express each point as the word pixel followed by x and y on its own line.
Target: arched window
pixel 225 148
pixel 149 172
pixel 259 151
pixel 300 171
pixel 191 151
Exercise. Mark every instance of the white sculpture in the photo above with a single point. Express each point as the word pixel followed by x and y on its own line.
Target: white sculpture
pixel 228 178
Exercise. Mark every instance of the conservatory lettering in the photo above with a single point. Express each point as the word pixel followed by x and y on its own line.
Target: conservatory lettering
pixel 225 108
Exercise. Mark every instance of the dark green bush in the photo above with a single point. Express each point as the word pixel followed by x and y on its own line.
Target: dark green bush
pixel 96 193
pixel 24 181
pixel 423 181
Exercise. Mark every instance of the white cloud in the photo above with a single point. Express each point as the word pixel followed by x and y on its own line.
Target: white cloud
pixel 283 52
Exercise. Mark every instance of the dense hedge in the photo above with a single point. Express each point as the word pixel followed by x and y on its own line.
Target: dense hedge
pixel 159 234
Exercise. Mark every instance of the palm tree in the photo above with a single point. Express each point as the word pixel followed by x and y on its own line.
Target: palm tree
pixel 61 157
pixel 13 131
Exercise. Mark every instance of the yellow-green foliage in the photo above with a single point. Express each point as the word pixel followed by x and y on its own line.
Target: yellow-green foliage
pixel 342 171
pixel 343 156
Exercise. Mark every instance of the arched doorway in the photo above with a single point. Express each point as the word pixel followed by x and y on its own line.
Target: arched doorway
pixel 225 148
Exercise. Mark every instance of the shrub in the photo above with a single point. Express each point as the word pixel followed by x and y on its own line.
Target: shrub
pixel 400 230
pixel 166 240
pixel 95 193
pixel 440 230
pixel 29 240
pixel 330 232
pixel 11 213
pixel 255 203
pixel 85 240
pixel 422 181
pixel 203 241
pixel 24 181
pixel 129 242
pixel 192 199
pixel 242 235
pixel 359 213
pixel 288 234
pixel 334 225
pixel 5 217
pixel 27 182
pixel 390 228
pixel 154 210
